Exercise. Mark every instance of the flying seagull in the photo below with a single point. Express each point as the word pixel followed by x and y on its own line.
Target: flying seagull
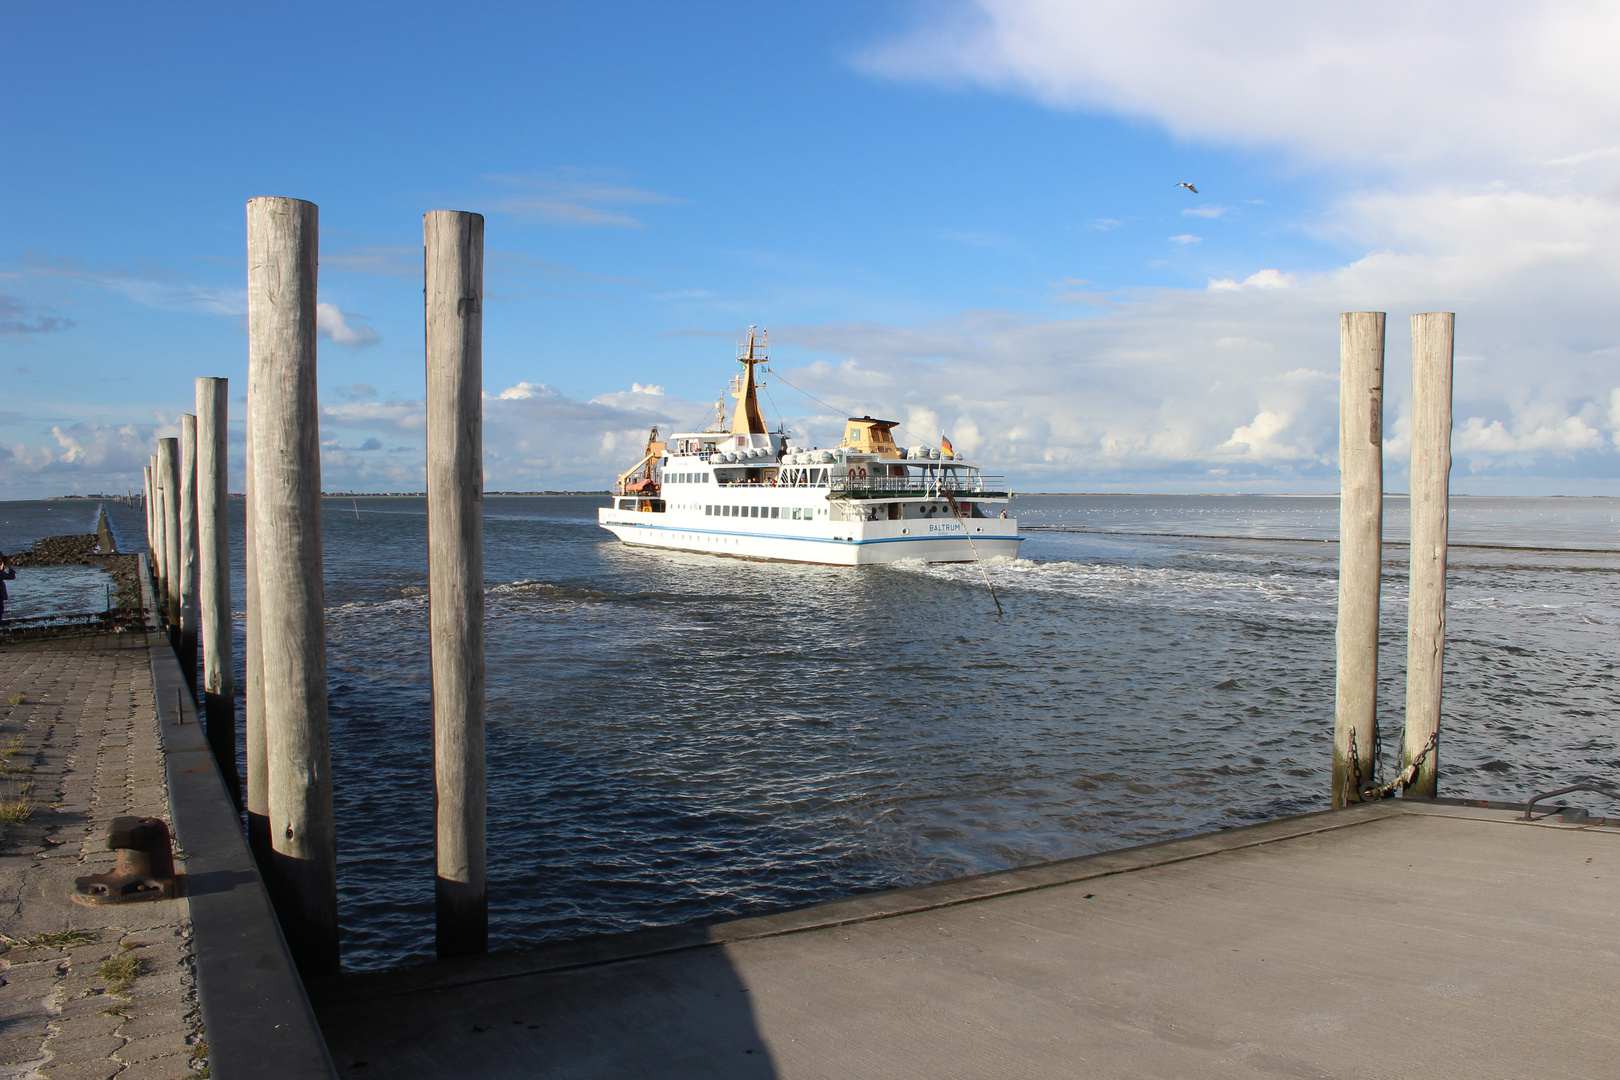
pixel 1188 186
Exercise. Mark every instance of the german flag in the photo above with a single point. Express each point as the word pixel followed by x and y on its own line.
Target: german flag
pixel 945 445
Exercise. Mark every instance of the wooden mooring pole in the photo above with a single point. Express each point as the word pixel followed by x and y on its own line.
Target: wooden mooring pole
pixel 1361 525
pixel 146 504
pixel 454 242
pixel 214 578
pixel 1432 349
pixel 282 252
pixel 189 606
pixel 253 748
pixel 160 547
pixel 169 463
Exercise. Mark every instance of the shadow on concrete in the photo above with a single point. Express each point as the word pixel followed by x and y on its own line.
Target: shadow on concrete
pixel 635 1018
pixel 210 882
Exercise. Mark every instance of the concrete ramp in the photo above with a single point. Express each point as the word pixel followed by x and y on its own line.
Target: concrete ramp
pixel 1405 939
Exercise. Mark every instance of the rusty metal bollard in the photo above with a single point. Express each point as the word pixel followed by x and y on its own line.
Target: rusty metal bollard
pixel 145 869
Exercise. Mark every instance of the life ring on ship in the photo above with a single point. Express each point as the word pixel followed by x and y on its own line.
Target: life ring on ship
pixel 863 474
pixel 852 474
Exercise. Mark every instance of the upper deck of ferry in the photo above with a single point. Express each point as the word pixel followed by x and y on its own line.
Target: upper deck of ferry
pixel 866 467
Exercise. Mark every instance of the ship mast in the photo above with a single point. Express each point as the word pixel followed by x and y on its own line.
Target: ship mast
pixel 746 418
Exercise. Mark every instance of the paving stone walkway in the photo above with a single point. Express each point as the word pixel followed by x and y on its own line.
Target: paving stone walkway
pixel 79 746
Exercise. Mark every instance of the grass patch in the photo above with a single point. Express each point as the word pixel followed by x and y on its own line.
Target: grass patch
pixel 10 750
pixel 62 939
pixel 16 811
pixel 16 699
pixel 121 971
pixel 114 1010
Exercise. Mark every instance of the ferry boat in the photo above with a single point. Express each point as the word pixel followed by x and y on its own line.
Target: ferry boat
pixel 747 492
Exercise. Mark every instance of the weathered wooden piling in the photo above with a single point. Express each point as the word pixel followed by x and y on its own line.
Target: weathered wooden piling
pixel 160 545
pixel 282 252
pixel 169 463
pixel 146 504
pixel 1361 525
pixel 1432 350
pixel 189 606
pixel 454 243
pixel 254 749
pixel 214 577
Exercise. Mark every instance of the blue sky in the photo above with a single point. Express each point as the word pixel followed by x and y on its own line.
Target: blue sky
pixel 960 214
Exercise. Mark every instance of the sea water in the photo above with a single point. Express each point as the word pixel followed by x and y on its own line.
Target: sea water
pixel 675 736
pixel 52 590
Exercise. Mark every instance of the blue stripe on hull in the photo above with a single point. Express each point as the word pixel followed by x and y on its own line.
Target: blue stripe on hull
pixel 809 539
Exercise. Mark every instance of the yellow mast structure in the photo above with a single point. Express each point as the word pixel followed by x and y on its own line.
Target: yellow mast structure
pixel 746 418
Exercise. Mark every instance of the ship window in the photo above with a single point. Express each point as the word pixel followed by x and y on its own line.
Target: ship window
pixel 795 513
pixel 753 511
pixel 776 511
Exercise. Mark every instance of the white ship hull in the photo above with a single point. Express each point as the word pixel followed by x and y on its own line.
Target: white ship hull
pixel 853 543
pixel 747 493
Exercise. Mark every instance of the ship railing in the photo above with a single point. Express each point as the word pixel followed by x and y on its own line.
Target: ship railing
pixel 920 487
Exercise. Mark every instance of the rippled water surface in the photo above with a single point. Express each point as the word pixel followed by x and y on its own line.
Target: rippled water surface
pixel 52 590
pixel 676 736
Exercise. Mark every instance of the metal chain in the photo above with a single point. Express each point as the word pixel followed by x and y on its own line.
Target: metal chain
pixel 1355 764
pixel 1407 775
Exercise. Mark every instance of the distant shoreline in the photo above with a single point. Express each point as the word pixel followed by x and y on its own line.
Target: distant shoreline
pixel 1019 495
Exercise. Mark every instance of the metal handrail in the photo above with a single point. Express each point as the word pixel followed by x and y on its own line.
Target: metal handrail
pixel 921 485
pixel 1529 806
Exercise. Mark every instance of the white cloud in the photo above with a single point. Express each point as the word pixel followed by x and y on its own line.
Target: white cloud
pixel 526 390
pixel 1565 436
pixel 1474 149
pixel 1260 279
pixel 149 283
pixel 1207 211
pixel 1414 86
pixel 575 197
pixel 1235 386
pixel 79 457
pixel 333 324
pixel 1186 238
pixel 397 260
pixel 535 438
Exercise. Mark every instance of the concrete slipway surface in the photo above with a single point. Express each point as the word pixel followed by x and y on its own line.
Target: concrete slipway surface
pixel 1402 939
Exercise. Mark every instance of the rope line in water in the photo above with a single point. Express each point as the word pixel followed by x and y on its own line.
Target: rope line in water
pixel 951 499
